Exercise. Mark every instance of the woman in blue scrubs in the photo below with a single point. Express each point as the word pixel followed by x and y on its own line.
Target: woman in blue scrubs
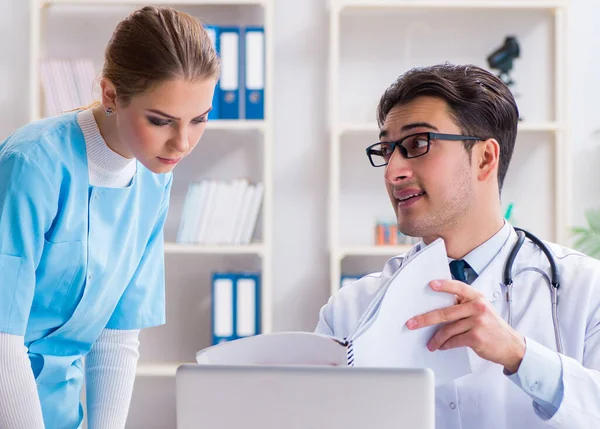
pixel 83 201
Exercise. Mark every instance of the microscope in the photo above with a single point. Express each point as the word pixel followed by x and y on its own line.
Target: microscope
pixel 502 59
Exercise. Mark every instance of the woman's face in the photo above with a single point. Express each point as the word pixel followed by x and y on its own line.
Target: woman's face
pixel 164 124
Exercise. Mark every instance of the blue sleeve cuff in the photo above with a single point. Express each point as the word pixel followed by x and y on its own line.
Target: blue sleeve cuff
pixel 540 376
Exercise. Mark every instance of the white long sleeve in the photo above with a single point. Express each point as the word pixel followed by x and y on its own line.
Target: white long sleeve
pixel 19 400
pixel 110 374
pixel 580 406
pixel 111 363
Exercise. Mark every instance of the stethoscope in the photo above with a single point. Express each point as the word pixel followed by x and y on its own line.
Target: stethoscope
pixel 554 282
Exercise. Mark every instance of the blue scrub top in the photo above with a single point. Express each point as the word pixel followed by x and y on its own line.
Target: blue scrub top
pixel 74 259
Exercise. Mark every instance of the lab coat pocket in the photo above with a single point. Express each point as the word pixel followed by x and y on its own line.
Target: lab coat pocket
pixel 57 280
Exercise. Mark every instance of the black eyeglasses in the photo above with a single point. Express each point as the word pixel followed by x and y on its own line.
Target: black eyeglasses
pixel 411 146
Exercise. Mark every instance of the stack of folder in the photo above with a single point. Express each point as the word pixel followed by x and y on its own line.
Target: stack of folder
pixel 220 212
pixel 236 306
pixel 242 52
pixel 67 84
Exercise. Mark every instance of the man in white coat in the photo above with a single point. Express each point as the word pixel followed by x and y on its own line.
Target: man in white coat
pixel 447 136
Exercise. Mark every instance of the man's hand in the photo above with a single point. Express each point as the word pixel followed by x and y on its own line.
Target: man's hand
pixel 473 323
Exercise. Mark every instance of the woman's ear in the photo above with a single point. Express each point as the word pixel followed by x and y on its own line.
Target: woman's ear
pixel 487 158
pixel 109 94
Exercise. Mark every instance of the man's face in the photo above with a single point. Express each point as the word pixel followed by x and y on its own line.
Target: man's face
pixel 435 192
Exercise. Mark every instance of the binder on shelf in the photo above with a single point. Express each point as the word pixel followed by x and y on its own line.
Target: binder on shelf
pixel 236 306
pixel 235 214
pixel 220 212
pixel 247 315
pixel 205 212
pixel 240 224
pixel 185 232
pixel 223 296
pixel 67 84
pixel 214 34
pixel 85 75
pixel 254 54
pixel 51 92
pixel 215 229
pixel 251 218
pixel 229 46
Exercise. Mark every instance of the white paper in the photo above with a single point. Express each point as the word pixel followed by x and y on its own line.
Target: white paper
pixel 283 348
pixel 387 342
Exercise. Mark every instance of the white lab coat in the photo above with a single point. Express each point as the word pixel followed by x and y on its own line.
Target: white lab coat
pixel 487 399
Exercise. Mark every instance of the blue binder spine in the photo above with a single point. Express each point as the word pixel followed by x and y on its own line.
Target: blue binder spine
pixel 223 307
pixel 229 46
pixel 254 77
pixel 247 314
pixel 213 32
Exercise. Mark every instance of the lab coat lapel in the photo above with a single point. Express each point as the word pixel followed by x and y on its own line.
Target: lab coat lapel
pixel 490 281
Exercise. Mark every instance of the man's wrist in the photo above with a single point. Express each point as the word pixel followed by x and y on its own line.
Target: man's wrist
pixel 514 362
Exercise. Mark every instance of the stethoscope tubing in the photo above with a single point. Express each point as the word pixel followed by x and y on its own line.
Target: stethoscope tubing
pixel 554 282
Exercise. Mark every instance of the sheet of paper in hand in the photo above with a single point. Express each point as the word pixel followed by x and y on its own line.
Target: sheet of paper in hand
pixel 385 341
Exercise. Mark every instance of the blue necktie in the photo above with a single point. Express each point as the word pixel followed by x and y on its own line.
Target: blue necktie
pixel 457 268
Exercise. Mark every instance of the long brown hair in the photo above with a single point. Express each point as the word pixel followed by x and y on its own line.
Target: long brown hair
pixel 155 44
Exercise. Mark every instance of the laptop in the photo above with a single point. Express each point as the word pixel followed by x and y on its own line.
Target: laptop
pixel 303 397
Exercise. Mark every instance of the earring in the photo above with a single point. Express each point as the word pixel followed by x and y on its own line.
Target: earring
pixel 109 111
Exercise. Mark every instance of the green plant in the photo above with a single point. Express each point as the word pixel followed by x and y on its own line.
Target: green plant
pixel 587 240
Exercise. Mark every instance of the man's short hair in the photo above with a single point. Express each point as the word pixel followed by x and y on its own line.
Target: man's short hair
pixel 480 103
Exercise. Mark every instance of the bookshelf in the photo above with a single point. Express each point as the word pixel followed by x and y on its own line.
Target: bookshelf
pixel 449 4
pixel 250 249
pixel 241 125
pixel 365 32
pixel 372 128
pixel 164 369
pixel 168 2
pixel 388 251
pixel 229 149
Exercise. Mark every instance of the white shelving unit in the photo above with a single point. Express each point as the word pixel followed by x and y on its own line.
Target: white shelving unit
pixel 229 149
pixel 374 41
pixel 371 127
pixel 250 249
pixel 373 250
pixel 165 369
pixel 168 2
pixel 241 125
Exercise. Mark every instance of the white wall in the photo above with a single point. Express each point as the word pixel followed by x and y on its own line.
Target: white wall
pixel 14 64
pixel 584 87
pixel 301 153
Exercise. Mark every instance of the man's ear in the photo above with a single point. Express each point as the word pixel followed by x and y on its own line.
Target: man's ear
pixel 109 94
pixel 487 157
